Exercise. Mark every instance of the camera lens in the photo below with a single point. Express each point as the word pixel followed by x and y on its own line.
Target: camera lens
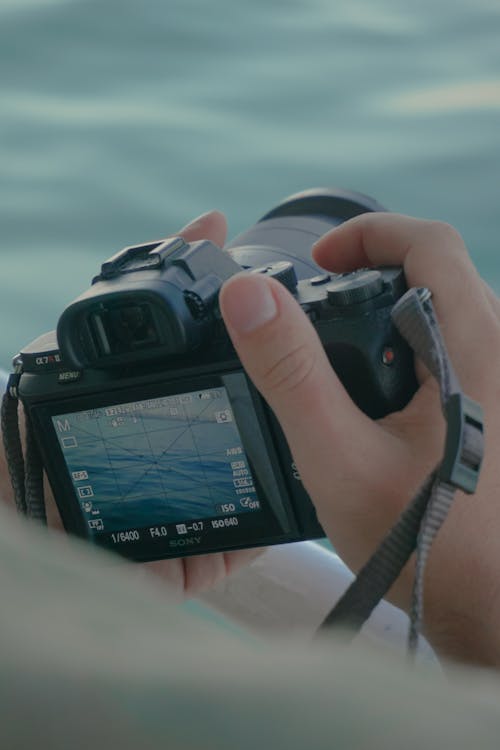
pixel 287 232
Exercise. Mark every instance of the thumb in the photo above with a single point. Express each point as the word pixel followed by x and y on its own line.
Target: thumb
pixel 330 438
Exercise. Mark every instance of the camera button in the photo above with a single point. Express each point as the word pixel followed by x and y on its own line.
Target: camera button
pixel 283 271
pixel 320 279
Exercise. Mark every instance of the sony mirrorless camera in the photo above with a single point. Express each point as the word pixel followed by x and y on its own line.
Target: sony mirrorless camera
pixel 155 442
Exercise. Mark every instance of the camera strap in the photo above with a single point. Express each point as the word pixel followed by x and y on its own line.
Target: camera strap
pixel 416 529
pixel 26 470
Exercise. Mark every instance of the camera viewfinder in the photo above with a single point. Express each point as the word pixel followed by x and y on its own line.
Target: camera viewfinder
pixel 123 328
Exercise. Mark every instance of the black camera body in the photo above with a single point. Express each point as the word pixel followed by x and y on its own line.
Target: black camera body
pixel 155 442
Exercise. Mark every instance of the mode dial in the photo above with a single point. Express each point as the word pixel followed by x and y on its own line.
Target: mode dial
pixel 283 271
pixel 353 288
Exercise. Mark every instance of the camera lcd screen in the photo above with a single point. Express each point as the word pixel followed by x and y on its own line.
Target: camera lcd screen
pixel 166 463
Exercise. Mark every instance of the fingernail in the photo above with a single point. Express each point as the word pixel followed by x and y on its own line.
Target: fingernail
pixel 193 224
pixel 247 302
pixel 318 242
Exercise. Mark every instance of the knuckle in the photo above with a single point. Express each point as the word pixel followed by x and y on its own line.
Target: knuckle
pixel 291 371
pixel 442 259
pixel 447 234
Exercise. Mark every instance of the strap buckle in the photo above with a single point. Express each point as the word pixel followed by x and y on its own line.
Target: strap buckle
pixel 464 447
pixel 12 389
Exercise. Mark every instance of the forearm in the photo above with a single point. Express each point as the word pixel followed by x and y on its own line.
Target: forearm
pixel 462 608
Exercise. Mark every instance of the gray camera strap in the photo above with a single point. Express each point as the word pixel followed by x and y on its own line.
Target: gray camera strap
pixel 419 523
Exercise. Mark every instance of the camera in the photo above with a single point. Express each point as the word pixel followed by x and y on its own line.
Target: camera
pixel 154 440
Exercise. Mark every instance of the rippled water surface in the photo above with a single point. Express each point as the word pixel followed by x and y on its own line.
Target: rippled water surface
pixel 121 120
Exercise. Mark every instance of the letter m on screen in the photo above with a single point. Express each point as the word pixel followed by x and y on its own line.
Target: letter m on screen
pixel 63 426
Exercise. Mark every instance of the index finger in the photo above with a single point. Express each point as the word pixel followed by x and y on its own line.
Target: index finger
pixel 386 239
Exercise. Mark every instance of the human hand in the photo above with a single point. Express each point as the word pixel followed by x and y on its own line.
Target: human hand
pixel 186 576
pixel 359 473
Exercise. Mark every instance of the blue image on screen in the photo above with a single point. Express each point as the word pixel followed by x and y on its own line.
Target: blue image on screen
pixel 157 461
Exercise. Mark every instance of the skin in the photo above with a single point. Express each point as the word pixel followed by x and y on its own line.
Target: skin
pixel 359 473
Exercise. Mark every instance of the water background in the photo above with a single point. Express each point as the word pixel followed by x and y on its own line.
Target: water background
pixel 120 121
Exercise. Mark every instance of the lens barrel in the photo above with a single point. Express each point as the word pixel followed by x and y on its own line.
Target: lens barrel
pixel 288 231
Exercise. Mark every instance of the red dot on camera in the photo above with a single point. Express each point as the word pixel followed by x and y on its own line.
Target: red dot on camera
pixel 388 356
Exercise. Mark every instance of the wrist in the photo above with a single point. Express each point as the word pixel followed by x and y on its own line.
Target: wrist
pixel 462 622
